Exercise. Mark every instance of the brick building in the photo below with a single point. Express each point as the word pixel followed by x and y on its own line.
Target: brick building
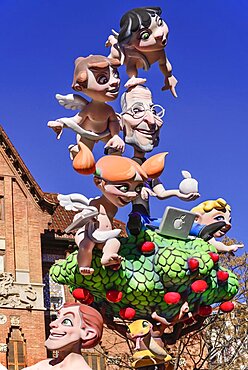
pixel 31 239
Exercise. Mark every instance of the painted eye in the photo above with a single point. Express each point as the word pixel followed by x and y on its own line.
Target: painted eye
pixel 159 22
pixel 220 218
pixel 67 322
pixel 145 36
pixel 102 79
pixel 145 324
pixel 137 110
pixel 116 73
pixel 123 188
pixel 128 331
pixel 138 188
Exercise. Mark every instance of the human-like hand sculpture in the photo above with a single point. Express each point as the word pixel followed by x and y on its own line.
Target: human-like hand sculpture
pixel 186 197
pixel 117 143
pixel 146 192
pixel 170 84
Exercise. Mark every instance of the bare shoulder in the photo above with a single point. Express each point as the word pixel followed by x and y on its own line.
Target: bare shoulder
pixel 76 361
pixel 42 365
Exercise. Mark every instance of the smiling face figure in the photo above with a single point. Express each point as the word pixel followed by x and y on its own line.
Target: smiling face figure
pixel 152 38
pixel 119 194
pixel 138 329
pixel 143 29
pixel 103 84
pixel 97 76
pixel 71 328
pixel 141 119
pixel 66 330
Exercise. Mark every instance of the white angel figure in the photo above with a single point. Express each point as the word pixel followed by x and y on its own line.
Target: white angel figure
pixel 90 231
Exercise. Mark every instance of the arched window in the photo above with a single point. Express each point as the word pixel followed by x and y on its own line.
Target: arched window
pixel 16 354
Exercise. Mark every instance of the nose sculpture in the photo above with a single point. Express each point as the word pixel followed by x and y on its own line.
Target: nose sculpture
pixel 54 324
pixel 114 82
pixel 131 194
pixel 149 117
pixel 158 34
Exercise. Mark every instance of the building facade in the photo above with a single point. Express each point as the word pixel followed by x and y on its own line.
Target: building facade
pixel 31 239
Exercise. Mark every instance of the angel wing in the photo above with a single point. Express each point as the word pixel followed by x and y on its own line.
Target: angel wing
pixel 78 202
pixel 73 202
pixel 72 101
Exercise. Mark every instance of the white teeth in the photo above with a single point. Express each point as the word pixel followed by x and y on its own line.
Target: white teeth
pixel 57 335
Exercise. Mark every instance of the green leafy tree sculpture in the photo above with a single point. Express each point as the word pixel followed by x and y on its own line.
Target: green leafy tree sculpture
pixel 157 274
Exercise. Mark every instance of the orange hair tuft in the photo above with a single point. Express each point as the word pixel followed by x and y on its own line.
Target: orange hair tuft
pixel 84 162
pixel 154 165
pixel 115 168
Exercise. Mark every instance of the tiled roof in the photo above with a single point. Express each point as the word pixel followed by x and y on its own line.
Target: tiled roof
pixel 14 157
pixel 60 218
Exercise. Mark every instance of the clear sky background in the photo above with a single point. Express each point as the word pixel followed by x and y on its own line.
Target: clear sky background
pixel 205 128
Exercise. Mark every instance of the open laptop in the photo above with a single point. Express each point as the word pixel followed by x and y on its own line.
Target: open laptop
pixel 176 223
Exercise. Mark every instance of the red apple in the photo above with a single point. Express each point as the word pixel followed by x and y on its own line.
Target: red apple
pixel 205 311
pixel 147 247
pixel 215 257
pixel 226 306
pixel 81 294
pixel 114 296
pixel 172 298
pixel 199 286
pixel 89 300
pixel 193 264
pixel 222 276
pixel 127 313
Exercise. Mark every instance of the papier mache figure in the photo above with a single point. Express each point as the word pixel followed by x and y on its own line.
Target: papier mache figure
pixel 141 42
pixel 77 327
pixel 212 220
pixel 120 181
pixel 212 211
pixel 149 348
pixel 97 77
pixel 141 121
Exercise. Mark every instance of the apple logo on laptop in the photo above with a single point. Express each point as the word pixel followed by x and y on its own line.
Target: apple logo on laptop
pixel 178 222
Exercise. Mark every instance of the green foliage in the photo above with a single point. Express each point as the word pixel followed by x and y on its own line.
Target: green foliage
pixel 144 279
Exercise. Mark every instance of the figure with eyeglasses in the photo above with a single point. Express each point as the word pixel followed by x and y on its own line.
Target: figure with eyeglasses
pixel 141 121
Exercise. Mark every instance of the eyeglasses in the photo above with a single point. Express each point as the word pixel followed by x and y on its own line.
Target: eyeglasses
pixel 138 110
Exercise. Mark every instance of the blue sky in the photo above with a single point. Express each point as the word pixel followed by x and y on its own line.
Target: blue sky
pixel 205 129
